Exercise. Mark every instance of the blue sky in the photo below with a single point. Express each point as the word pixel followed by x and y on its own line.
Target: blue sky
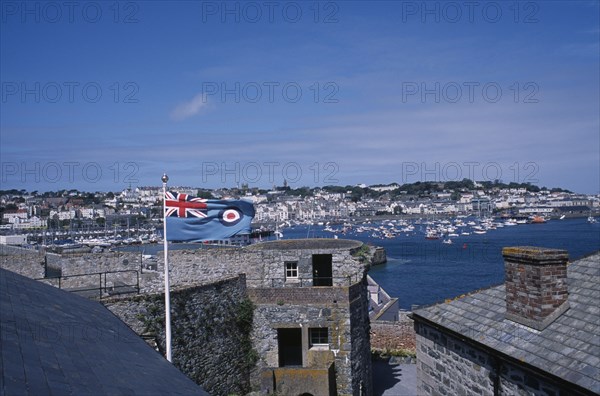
pixel 97 95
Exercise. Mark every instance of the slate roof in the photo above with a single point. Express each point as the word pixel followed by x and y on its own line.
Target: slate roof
pixel 55 342
pixel 568 348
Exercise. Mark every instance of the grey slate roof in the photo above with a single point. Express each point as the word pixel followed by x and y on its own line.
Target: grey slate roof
pixel 55 342
pixel 568 348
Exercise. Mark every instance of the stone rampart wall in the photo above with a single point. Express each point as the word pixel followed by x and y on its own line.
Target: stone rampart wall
pixel 88 263
pixel 263 267
pixel 26 262
pixel 361 370
pixel 210 331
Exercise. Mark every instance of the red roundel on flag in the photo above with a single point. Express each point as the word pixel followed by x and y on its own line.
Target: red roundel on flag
pixel 230 216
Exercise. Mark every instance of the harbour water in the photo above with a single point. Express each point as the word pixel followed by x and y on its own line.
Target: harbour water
pixel 421 271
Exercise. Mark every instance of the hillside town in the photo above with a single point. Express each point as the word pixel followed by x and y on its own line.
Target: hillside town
pixel 140 207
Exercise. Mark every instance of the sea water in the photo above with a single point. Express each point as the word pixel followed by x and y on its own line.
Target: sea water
pixel 422 272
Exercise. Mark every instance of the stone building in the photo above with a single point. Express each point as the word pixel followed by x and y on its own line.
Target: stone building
pixel 311 321
pixel 538 334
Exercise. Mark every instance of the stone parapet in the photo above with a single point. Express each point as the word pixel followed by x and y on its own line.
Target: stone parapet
pixel 210 331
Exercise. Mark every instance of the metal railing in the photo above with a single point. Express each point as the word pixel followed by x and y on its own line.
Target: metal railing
pixel 103 289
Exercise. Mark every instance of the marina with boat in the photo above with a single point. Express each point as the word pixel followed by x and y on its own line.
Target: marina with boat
pixel 447 229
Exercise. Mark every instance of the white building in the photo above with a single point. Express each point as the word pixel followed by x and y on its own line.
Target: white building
pixel 33 222
pixel 16 217
pixel 64 214
pixel 391 187
pixel 91 213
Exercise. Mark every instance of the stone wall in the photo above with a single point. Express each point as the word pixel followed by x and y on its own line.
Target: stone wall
pixel 515 381
pixel 88 263
pixel 210 331
pixel 79 270
pixel 361 369
pixel 264 267
pixel 96 275
pixel 270 317
pixel 394 336
pixel 300 296
pixel 302 380
pixel 343 310
pixel 378 255
pixel 449 366
pixel 26 262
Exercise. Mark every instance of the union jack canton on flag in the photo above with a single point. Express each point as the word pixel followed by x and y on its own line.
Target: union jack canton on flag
pixel 192 219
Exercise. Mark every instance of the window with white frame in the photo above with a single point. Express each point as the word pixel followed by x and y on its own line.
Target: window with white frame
pixel 318 336
pixel 291 270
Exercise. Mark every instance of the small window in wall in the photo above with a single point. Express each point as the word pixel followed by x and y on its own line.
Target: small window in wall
pixel 318 336
pixel 291 270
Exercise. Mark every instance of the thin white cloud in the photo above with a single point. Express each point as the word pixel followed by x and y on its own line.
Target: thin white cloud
pixel 190 108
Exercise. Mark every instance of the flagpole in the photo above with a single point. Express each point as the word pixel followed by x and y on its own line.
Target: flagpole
pixel 165 179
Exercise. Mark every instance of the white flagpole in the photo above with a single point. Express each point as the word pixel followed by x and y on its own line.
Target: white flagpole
pixel 165 179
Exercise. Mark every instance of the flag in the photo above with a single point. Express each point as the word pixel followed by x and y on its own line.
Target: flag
pixel 192 219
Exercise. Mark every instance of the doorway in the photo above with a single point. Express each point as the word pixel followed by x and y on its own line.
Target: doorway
pixel 289 342
pixel 322 269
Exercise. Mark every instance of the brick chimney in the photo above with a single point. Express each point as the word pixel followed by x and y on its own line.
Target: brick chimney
pixel 536 285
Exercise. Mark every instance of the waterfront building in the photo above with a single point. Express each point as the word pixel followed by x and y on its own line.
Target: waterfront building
pixel 482 205
pixel 536 210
